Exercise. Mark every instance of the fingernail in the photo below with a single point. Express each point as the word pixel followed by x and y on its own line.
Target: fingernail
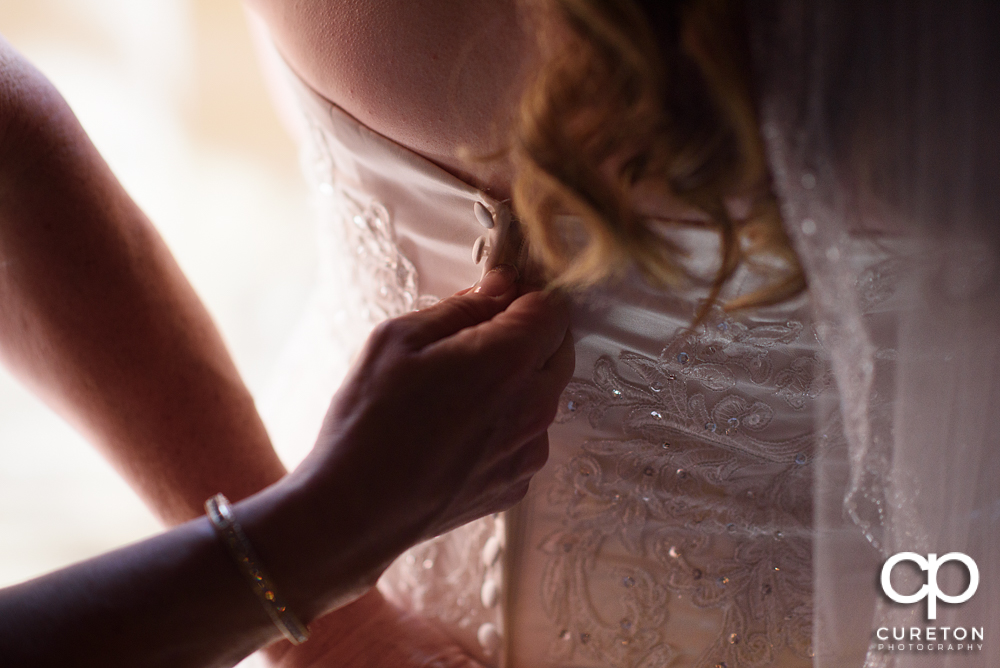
pixel 498 281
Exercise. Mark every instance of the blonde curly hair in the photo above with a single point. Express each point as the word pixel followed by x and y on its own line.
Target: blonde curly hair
pixel 650 92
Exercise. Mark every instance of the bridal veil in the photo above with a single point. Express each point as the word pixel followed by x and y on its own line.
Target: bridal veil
pixel 882 121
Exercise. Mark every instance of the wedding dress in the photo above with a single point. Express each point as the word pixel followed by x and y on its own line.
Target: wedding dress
pixel 721 495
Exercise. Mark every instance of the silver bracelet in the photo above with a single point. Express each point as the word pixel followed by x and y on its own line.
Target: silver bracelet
pixel 221 515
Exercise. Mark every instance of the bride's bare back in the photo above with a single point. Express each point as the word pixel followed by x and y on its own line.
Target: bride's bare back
pixel 436 76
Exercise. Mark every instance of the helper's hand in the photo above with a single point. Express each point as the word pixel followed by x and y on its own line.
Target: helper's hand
pixel 444 417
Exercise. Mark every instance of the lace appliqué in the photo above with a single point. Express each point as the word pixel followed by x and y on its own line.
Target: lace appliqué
pixel 384 282
pixel 387 277
pixel 708 508
pixel 711 358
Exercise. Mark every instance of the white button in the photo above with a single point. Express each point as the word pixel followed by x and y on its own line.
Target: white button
pixel 479 249
pixel 484 215
pixel 489 593
pixel 491 551
pixel 499 530
pixel 489 637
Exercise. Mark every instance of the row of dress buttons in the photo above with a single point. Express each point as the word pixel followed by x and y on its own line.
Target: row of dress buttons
pixel 481 248
pixel 489 634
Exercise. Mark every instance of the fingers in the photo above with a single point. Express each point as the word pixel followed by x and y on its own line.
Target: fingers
pixel 485 368
pixel 530 459
pixel 498 281
pixel 494 501
pixel 506 482
pixel 562 363
pixel 465 309
pixel 498 479
pixel 524 439
pixel 520 362
pixel 536 324
pixel 548 384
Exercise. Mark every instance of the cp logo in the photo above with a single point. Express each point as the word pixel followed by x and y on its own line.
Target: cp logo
pixel 930 590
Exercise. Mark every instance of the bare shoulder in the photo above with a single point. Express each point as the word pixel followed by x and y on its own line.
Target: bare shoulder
pixel 430 74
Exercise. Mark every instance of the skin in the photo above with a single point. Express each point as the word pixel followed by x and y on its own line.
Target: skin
pixel 96 316
pixel 436 77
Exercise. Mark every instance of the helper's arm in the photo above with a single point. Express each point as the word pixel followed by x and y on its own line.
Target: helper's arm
pixel 96 316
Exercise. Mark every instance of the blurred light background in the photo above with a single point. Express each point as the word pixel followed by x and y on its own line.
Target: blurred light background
pixel 169 91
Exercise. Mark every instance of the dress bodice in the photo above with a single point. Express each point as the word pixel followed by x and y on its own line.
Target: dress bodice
pixel 672 524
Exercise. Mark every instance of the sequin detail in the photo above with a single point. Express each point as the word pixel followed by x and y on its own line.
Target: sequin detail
pixel 706 532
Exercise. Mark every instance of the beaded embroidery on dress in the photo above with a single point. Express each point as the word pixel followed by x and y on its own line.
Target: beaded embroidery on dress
pixel 719 510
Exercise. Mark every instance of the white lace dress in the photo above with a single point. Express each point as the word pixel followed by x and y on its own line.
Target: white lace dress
pixel 672 524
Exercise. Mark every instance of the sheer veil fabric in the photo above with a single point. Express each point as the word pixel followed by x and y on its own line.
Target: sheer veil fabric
pixel 882 120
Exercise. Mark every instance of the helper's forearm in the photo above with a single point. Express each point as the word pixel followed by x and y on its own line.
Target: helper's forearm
pixel 172 600
pixel 178 600
pixel 96 316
